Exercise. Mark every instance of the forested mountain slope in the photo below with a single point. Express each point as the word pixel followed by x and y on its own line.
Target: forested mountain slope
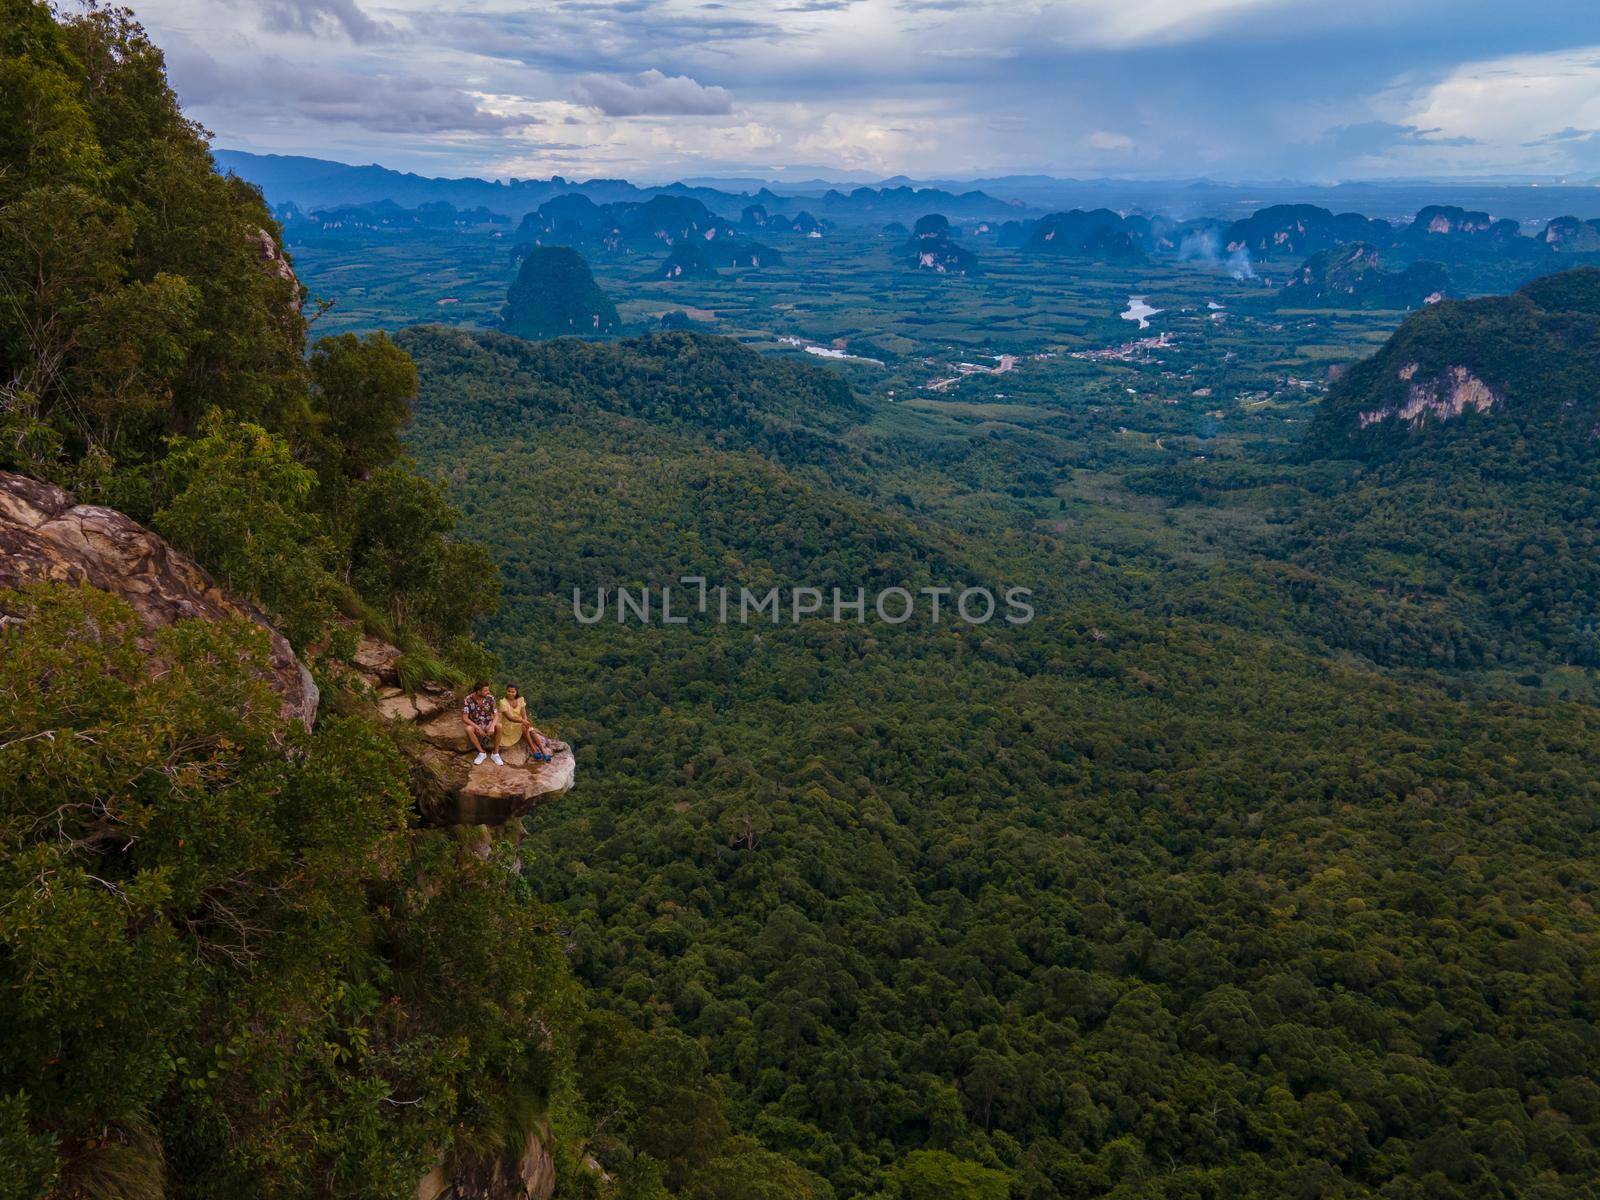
pixel 1478 429
pixel 704 388
pixel 554 295
pixel 1113 903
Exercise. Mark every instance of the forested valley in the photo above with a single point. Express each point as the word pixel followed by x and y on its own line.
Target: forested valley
pixel 1214 880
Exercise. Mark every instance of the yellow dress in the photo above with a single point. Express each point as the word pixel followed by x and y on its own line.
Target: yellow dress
pixel 513 720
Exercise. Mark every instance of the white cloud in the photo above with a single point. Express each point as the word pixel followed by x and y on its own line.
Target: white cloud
pixel 850 140
pixel 653 93
pixel 914 86
pixel 1513 100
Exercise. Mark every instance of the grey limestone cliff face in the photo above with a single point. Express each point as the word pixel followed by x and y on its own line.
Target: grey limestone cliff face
pixel 46 535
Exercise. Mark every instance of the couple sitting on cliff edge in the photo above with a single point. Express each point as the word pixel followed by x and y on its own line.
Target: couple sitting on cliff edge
pixel 493 727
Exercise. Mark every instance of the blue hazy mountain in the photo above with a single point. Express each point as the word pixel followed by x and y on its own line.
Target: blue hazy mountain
pixel 314 183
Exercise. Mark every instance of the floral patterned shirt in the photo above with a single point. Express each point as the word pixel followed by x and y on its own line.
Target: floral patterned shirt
pixel 478 709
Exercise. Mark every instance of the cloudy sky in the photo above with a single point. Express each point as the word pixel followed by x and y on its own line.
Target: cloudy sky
pixel 660 89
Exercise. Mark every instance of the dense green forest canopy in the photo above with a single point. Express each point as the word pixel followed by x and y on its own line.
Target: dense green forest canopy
pixel 1148 897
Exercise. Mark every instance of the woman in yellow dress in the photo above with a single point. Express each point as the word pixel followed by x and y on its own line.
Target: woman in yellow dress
pixel 515 726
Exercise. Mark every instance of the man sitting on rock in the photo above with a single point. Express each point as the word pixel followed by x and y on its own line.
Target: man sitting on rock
pixel 482 722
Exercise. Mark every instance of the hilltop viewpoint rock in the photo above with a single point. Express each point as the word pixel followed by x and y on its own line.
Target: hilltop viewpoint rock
pixel 449 789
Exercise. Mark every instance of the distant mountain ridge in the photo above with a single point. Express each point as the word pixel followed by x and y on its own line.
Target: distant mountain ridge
pixel 1479 251
pixel 649 224
pixel 1443 248
pixel 386 215
pixel 312 183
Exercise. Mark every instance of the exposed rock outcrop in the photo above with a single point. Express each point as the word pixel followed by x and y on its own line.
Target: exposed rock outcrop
pixel 1353 276
pixel 1449 220
pixel 1571 234
pixel 274 263
pixel 1496 373
pixel 687 261
pixel 931 248
pixel 1301 229
pixel 1440 398
pixel 44 535
pixel 528 1176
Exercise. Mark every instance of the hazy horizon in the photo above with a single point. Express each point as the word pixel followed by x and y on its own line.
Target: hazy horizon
pixel 801 174
pixel 858 90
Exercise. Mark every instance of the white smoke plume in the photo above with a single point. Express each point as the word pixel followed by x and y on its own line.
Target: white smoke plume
pixel 1199 247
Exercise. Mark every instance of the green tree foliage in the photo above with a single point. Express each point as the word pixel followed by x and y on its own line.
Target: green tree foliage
pixel 703 387
pixel 239 502
pixel 363 388
pixel 402 557
pixel 650 1091
pixel 1485 521
pixel 746 1171
pixel 229 963
pixel 935 1175
pixel 136 299
pixel 130 273
pixel 1149 898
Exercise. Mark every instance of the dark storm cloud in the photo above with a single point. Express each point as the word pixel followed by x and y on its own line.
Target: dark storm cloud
pixel 583 37
pixel 319 17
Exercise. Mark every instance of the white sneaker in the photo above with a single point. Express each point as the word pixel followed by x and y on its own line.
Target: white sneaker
pixel 497 760
pixel 480 758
